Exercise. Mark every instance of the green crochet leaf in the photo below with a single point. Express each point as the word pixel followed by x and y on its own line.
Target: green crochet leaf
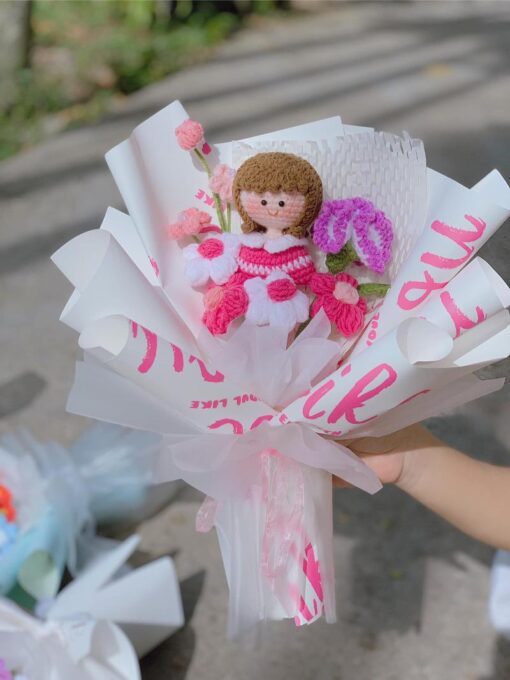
pixel 337 262
pixel 302 327
pixel 375 289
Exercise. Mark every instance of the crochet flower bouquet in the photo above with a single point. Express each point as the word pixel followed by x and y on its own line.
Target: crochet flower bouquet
pixel 52 498
pixel 264 299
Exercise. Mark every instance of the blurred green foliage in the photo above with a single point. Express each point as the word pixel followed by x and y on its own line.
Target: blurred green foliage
pixel 84 53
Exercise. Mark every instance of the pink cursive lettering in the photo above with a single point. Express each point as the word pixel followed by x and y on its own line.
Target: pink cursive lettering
pixel 428 286
pixel 151 340
pixel 178 358
pixel 206 375
pixel 237 427
pixel 311 569
pixel 261 419
pixel 460 236
pixel 413 396
pixel 356 398
pixel 314 398
pixel 460 320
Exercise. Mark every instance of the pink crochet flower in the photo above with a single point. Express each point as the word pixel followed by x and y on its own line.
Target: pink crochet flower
pixel 275 301
pixel 190 134
pixel 214 259
pixel 338 296
pixel 189 222
pixel 221 181
pixel 224 304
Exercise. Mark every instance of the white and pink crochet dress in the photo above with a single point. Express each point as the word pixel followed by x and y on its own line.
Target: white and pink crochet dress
pixel 260 256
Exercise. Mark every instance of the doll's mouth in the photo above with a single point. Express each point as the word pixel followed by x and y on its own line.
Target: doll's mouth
pixel 273 213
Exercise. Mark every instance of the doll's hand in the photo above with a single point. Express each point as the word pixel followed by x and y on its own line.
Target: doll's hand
pixel 396 458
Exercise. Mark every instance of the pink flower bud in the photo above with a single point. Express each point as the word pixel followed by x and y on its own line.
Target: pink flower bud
pixel 189 223
pixel 221 182
pixel 190 134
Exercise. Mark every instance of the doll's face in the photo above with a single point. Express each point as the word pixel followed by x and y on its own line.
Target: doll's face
pixel 276 212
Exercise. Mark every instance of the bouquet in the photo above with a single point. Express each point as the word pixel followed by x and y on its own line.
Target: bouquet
pixel 51 500
pixel 264 299
pixel 95 628
pixel 499 598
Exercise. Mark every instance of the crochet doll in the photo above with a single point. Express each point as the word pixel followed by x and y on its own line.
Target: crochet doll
pixel 259 273
pixel 278 196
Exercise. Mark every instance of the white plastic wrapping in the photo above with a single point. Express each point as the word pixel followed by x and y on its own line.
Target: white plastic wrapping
pixel 60 495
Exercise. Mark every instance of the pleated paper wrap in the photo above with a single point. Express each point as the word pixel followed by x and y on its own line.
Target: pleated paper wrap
pixel 98 625
pixel 247 420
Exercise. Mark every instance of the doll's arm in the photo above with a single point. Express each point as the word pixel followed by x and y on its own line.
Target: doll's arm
pixel 472 495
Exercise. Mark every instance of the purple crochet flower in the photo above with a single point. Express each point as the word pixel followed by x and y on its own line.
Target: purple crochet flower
pixel 5 673
pixel 357 219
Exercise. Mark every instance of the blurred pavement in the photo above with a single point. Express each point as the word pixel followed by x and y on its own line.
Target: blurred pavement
pixel 411 591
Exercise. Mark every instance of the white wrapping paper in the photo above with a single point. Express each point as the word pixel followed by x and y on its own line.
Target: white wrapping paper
pixel 458 222
pixel 415 358
pixel 499 600
pixel 243 418
pixel 97 626
pixel 82 649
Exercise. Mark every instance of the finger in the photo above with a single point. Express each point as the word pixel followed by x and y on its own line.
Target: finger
pixel 372 445
pixel 340 483
pixel 401 440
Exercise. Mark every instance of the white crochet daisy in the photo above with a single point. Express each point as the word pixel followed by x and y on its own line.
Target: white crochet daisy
pixel 214 259
pixel 275 301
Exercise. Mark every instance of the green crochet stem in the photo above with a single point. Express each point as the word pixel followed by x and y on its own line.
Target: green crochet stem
pixel 203 162
pixel 229 217
pixel 376 289
pixel 302 327
pixel 338 262
pixel 219 212
pixel 217 200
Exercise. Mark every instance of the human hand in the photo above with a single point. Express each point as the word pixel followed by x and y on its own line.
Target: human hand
pixel 471 494
pixel 396 458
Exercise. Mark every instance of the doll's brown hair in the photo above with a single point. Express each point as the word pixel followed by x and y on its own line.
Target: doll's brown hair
pixel 275 172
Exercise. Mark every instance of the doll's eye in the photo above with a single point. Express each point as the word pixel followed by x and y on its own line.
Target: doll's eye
pixel 281 203
pixel 263 201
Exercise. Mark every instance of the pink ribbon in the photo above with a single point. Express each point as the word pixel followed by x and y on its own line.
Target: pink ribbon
pixel 283 497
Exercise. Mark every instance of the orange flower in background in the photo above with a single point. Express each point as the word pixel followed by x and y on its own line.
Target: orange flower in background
pixel 6 504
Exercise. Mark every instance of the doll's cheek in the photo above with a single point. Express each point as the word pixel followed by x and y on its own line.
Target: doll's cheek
pixel 254 209
pixel 257 213
pixel 292 211
pixel 251 204
pixel 295 204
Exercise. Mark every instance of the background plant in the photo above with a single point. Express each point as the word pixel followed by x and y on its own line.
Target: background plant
pixel 78 56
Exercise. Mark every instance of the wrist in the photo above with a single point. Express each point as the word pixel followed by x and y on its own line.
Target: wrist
pixel 419 460
pixel 413 464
